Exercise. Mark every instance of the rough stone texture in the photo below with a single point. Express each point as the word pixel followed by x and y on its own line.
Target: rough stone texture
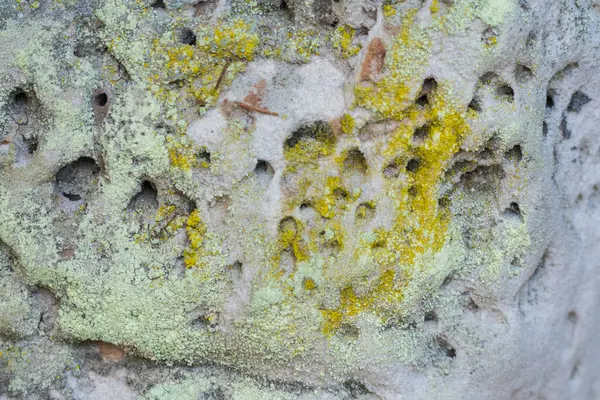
pixel 299 199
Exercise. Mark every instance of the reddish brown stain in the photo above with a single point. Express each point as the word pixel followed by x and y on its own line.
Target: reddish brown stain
pixel 374 60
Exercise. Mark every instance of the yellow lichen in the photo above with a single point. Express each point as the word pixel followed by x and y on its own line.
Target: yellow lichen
pixel 347 123
pixel 342 41
pixel 196 230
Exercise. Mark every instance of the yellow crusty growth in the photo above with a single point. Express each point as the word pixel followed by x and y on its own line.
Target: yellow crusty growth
pixel 347 122
pixel 196 229
pixel 421 223
pixel 342 41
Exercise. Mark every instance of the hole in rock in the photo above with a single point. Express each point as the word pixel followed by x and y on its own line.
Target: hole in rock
pixel 446 348
pixel 483 177
pixel 544 129
pixel 392 170
pixel 550 99
pixel 31 144
pixel 514 154
pixel 506 91
pixel 288 226
pixel 100 105
pixel 204 157
pixel 564 129
pixel 264 170
pixel 187 36
pixel 578 100
pixel 430 316
pixel 513 210
pixel 237 267
pixel 158 4
pixel 475 105
pixel 523 73
pixel 429 86
pixel 489 78
pixel 146 200
pixel 421 133
pixel 100 100
pixel 413 165
pixel 78 179
pixel 319 131
pixel 444 202
pixel 20 99
pixel 365 210
pixel 355 161
pixel 356 389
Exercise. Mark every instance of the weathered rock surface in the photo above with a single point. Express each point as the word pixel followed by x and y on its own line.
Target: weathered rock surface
pixel 316 199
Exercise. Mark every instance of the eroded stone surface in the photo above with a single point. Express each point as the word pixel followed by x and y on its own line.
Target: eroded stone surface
pixel 291 199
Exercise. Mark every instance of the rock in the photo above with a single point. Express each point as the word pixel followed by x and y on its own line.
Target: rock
pixel 299 199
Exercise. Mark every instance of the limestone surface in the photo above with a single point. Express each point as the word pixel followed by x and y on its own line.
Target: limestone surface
pixel 299 199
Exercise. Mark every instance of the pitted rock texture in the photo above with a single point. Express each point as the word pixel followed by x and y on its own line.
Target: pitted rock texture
pixel 299 199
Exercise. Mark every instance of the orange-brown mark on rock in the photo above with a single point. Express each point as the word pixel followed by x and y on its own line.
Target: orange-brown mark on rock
pixel 374 60
pixel 255 97
pixel 110 352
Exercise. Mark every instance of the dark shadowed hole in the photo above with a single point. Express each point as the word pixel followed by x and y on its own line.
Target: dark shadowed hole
pixel 422 100
pixel 146 198
pixel 392 170
pixel 431 316
pixel 506 91
pixel 550 99
pixel 413 165
pixel 187 36
pixel 288 224
pixel 421 133
pixel 264 170
pixel 158 4
pixel 237 267
pixel 475 105
pixel 544 129
pixel 578 100
pixel 77 179
pixel 204 156
pixel 489 77
pixel 449 351
pixel 356 389
pixel 31 144
pixel 429 86
pixel 572 317
pixel 444 202
pixel 523 73
pixel 100 100
pixel 365 210
pixel 513 210
pixel 355 160
pixel 515 153
pixel 320 131
pixel 20 99
pixel 564 129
